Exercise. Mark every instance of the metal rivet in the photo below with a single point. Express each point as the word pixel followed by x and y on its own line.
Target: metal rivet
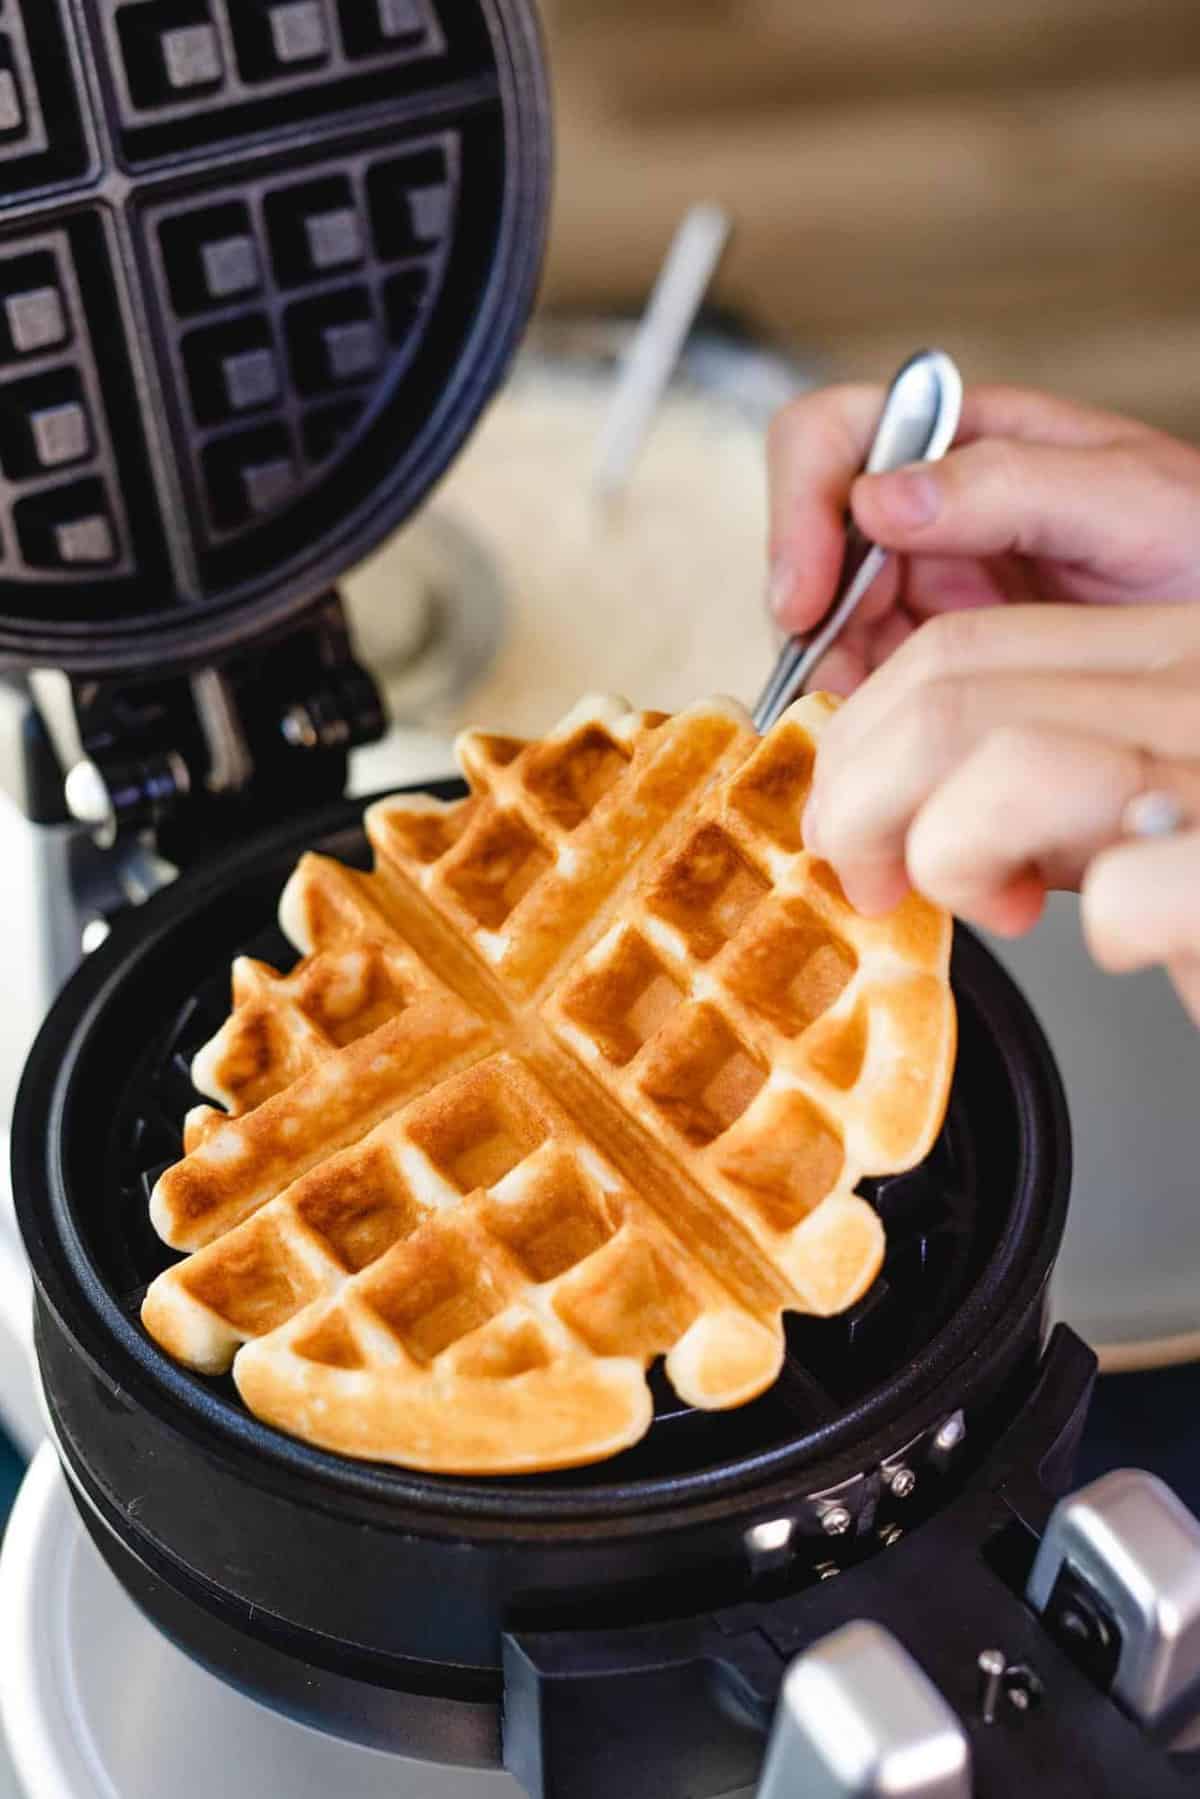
pixel 87 797
pixel 951 1434
pixel 90 803
pixel 93 935
pixel 299 730
pixel 902 1481
pixel 1022 1687
pixel 769 1538
pixel 836 1521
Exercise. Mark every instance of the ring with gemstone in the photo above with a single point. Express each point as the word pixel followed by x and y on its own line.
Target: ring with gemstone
pixel 1155 813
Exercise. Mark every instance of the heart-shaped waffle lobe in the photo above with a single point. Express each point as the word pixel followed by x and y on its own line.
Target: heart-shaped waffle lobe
pixel 584 1073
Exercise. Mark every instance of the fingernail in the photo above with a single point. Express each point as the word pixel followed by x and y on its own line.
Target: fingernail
pixel 870 900
pixel 781 583
pixel 910 497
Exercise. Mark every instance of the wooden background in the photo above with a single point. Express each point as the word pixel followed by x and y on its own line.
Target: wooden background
pixel 1019 181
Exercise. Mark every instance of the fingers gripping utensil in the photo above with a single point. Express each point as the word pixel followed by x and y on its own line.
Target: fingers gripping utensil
pixel 919 420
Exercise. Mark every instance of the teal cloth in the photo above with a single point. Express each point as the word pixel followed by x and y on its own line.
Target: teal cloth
pixel 11 1470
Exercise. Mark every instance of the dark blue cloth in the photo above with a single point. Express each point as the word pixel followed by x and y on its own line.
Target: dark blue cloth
pixel 1147 1421
pixel 11 1471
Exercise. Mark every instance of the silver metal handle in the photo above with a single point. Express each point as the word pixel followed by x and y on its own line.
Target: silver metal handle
pixel 686 276
pixel 918 424
pixel 1128 1542
pixel 858 1719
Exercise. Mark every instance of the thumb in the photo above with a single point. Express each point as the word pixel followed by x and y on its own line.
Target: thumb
pixel 1096 506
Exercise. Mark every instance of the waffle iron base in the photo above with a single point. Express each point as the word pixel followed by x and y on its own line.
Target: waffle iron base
pixel 372 1586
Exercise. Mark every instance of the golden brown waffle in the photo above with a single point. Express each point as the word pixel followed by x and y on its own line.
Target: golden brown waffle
pixel 585 1072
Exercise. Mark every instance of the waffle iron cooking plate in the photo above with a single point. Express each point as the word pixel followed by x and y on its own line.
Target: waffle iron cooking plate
pixel 262 262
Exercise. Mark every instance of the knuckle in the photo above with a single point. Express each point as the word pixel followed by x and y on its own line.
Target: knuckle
pixel 927 736
pixel 1141 457
pixel 848 828
pixel 835 831
pixel 1179 464
pixel 1162 482
pixel 997 462
pixel 927 855
pixel 829 764
pixel 821 415
pixel 1100 916
pixel 1135 461
pixel 1172 719
pixel 785 424
pixel 1157 485
pixel 798 417
pixel 939 715
pixel 947 644
pixel 1015 751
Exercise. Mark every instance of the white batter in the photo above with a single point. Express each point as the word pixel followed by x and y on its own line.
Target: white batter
pixel 659 598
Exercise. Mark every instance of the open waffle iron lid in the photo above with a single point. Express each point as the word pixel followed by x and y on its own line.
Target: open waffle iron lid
pixel 262 263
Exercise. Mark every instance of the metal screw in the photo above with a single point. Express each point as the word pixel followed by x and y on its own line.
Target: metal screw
pixel 93 935
pixel 135 794
pixel 902 1481
pixel 87 796
pixel 90 803
pixel 891 1533
pixel 951 1434
pixel 768 1542
pixel 299 730
pixel 826 1570
pixel 347 713
pixel 836 1521
pixel 992 1666
pixel 1022 1687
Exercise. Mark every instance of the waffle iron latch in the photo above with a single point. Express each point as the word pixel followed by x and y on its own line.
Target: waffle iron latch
pixel 195 758
pixel 858 1719
pixel 1116 1580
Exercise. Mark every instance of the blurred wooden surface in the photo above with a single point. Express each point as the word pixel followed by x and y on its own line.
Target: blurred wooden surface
pixel 1019 182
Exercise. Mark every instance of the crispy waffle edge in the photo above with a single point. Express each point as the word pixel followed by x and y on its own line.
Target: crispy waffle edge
pixel 531 1112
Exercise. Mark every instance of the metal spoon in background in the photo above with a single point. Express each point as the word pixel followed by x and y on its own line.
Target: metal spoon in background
pixel 649 363
pixel 918 424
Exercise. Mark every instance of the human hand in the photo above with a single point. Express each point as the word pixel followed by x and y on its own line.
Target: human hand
pixel 1040 500
pixel 995 758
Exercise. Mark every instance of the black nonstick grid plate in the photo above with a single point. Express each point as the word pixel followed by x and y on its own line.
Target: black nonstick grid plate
pixel 262 262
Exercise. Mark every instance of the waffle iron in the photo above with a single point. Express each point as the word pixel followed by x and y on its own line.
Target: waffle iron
pixel 262 263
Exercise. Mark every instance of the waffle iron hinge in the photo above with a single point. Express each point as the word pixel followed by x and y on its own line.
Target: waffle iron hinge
pixel 187 761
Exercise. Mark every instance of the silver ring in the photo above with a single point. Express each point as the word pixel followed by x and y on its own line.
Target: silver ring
pixel 1155 813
